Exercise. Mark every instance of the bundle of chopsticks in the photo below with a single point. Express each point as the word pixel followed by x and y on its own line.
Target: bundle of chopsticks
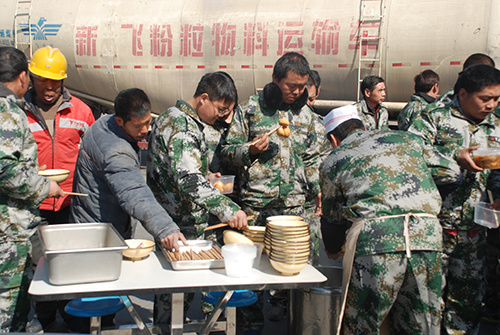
pixel 191 255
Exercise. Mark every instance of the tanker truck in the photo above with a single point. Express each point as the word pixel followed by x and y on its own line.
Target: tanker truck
pixel 165 46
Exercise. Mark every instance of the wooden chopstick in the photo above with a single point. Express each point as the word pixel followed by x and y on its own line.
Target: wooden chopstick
pixel 269 133
pixel 74 193
pixel 223 224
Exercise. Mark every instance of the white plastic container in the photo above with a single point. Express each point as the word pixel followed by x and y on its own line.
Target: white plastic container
pixel 238 259
pixel 485 216
pixel 260 249
pixel 224 184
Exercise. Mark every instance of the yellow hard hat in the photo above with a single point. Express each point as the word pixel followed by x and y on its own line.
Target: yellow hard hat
pixel 49 63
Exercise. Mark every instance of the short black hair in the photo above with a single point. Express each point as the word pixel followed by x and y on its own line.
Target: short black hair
pixel 476 77
pixel 314 79
pixel 345 128
pixel 132 102
pixel 219 86
pixel 370 82
pixel 12 63
pixel 478 58
pixel 425 80
pixel 291 61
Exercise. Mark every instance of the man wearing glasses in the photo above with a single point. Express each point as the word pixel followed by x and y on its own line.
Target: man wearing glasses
pixel 177 169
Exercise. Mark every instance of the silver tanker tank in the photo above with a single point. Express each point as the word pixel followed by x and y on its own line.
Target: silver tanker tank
pixel 165 46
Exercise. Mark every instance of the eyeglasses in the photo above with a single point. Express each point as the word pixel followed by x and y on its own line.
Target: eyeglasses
pixel 221 111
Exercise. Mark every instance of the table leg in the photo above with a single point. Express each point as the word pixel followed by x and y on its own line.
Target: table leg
pixel 214 316
pixel 135 315
pixel 177 310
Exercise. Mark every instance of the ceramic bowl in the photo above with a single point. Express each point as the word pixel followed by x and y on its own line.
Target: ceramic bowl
pixel 138 249
pixel 284 218
pixel 230 237
pixel 287 269
pixel 57 175
pixel 285 255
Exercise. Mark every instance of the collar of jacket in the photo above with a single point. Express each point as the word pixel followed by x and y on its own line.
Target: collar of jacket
pixel 425 96
pixel 190 111
pixel 370 110
pixel 30 98
pixel 456 111
pixel 115 128
pixel 5 92
pixel 271 98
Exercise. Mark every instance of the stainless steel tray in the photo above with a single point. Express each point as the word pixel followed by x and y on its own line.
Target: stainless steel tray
pixel 195 264
pixel 82 252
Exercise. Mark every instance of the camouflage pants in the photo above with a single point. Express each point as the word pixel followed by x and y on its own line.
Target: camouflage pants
pixel 15 303
pixel 463 258
pixel 491 275
pixel 408 290
pixel 162 310
pixel 315 227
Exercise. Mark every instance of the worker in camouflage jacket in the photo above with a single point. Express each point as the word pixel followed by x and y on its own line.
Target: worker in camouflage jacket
pixel 21 191
pixel 277 172
pixel 456 130
pixel 426 92
pixel 177 168
pixel 378 185
pixel 373 114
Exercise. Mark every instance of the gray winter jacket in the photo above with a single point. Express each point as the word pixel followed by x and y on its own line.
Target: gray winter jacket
pixel 108 170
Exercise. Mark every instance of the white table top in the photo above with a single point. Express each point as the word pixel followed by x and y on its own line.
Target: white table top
pixel 154 275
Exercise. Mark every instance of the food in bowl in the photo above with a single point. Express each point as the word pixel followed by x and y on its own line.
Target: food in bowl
pixel 57 175
pixel 138 249
pixel 487 158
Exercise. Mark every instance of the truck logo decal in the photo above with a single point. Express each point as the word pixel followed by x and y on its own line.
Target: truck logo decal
pixel 40 30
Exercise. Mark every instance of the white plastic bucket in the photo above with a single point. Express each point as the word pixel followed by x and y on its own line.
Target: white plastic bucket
pixel 238 259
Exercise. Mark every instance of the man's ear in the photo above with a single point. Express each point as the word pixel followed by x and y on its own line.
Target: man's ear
pixel 368 93
pixel 119 121
pixel 333 141
pixel 24 79
pixel 462 94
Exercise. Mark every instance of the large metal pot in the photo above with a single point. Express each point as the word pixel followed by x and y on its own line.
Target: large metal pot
pixel 316 310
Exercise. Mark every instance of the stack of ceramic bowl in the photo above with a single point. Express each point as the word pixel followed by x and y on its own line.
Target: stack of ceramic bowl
pixel 255 233
pixel 288 244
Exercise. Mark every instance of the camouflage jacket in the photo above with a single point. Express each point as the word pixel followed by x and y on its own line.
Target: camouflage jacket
pixel 447 97
pixel 371 120
pixel 446 129
pixel 177 169
pixel 21 188
pixel 411 110
pixel 378 173
pixel 214 135
pixel 287 171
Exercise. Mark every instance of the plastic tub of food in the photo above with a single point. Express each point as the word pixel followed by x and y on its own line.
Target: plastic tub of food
pixel 487 158
pixel 238 259
pixel 82 252
pixel 485 216
pixel 224 183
